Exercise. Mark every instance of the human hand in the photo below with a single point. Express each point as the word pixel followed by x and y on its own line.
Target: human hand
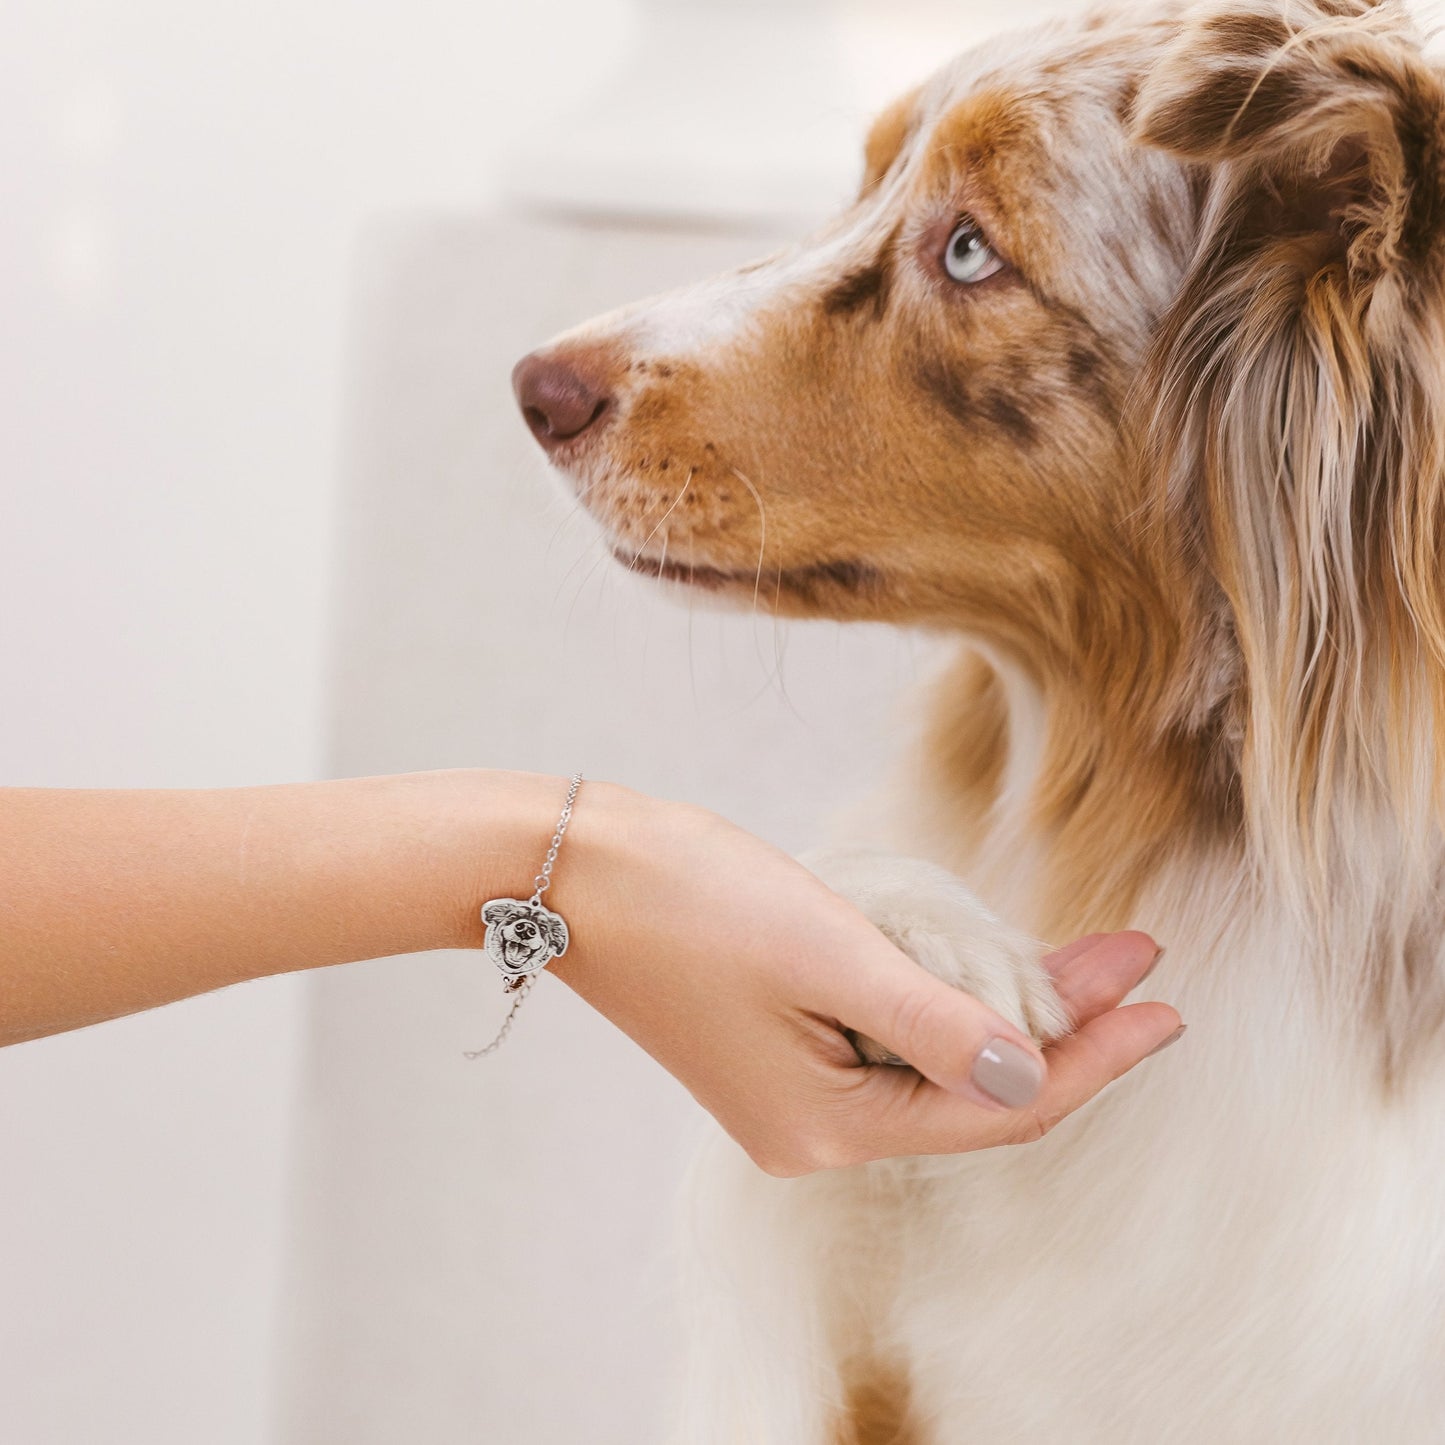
pixel 740 973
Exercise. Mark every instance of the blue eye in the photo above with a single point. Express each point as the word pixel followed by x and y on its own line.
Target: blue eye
pixel 968 257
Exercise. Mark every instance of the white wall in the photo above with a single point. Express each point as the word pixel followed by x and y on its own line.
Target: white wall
pixel 182 188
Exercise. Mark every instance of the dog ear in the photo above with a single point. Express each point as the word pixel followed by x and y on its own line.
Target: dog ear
pixel 500 912
pixel 557 934
pixel 1326 120
pixel 1295 398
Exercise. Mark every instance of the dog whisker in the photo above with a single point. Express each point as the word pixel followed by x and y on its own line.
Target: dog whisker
pixel 662 521
pixel 762 532
pixel 604 555
pixel 775 674
pixel 691 649
pixel 557 530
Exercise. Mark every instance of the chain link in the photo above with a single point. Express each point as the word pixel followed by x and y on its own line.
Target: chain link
pixel 543 881
pixel 523 986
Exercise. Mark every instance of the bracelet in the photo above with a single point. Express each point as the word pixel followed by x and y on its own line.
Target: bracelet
pixel 523 937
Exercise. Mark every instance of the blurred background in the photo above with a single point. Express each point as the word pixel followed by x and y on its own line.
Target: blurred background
pixel 268 515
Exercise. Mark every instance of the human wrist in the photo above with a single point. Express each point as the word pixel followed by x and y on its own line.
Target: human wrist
pixel 597 871
pixel 492 829
pixel 619 890
pixel 497 826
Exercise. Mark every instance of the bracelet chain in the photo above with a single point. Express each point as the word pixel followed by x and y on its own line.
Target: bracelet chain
pixel 518 983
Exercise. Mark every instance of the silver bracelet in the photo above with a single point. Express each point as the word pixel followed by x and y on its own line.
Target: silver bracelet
pixel 523 937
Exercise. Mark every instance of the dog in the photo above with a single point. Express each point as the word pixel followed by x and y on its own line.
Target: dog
pixel 1126 368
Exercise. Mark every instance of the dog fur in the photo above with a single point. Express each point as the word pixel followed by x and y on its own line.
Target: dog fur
pixel 1174 475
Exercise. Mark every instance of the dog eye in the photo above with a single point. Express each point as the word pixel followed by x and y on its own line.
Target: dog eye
pixel 968 257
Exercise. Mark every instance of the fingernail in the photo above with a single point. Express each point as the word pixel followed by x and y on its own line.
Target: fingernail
pixel 1008 1074
pixel 1164 1044
pixel 1150 970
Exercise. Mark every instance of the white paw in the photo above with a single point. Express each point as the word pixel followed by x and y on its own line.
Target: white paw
pixel 934 918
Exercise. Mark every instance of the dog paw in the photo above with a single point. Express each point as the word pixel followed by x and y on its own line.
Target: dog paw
pixel 935 919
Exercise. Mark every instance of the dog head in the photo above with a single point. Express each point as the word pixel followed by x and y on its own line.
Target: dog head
pixel 523 937
pixel 917 414
pixel 1127 359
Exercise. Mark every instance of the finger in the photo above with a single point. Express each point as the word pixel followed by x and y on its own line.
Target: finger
pixel 1095 973
pixel 949 1037
pixel 1083 1062
pixel 1056 960
pixel 905 1114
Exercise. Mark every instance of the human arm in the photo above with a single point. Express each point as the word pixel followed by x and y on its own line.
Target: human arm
pixel 115 901
pixel 721 956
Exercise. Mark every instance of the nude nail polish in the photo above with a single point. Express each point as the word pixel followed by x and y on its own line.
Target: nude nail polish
pixel 1164 1043
pixel 1008 1074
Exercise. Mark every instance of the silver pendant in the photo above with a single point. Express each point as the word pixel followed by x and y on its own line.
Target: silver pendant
pixel 523 937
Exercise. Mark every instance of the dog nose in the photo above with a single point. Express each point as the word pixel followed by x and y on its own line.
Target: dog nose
pixel 560 397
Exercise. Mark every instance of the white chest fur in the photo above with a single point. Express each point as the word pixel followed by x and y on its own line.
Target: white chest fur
pixel 1242 1241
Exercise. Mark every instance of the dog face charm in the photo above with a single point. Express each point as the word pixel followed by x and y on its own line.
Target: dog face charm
pixel 523 937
